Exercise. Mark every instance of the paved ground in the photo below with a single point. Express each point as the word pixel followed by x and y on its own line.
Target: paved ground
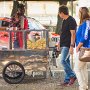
pixel 40 84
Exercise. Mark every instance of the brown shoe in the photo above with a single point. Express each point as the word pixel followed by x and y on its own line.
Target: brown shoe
pixel 72 80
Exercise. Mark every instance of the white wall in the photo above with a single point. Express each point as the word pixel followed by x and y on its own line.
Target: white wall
pixel 82 3
pixel 5 9
pixel 42 8
pixel 45 11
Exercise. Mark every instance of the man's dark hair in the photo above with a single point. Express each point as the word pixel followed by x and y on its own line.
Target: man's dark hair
pixel 64 10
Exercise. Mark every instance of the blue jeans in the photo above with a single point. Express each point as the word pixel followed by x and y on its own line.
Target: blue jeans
pixel 16 44
pixel 65 61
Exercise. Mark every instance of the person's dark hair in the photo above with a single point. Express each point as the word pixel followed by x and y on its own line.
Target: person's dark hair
pixel 21 6
pixel 21 9
pixel 84 14
pixel 64 10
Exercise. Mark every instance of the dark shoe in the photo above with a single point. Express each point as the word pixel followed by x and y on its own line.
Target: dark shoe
pixel 72 80
pixel 64 84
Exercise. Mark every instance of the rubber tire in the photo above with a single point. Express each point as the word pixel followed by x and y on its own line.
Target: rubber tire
pixel 18 79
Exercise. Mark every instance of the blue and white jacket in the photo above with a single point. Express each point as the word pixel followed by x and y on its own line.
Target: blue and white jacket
pixel 83 34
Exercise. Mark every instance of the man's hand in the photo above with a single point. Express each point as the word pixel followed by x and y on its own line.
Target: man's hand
pixel 58 46
pixel 71 50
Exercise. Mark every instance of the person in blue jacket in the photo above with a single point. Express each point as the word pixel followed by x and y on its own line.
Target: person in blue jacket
pixel 82 40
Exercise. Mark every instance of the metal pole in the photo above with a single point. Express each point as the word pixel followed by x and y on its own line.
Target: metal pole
pixel 26 8
pixel 72 7
pixel 71 56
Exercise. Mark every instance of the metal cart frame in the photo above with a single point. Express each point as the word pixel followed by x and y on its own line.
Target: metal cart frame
pixel 14 71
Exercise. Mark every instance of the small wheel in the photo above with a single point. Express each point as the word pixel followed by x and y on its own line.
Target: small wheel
pixel 13 72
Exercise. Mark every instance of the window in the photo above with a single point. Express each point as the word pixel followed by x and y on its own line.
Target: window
pixel 5 23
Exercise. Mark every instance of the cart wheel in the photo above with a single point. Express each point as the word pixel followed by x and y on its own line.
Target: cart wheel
pixel 13 72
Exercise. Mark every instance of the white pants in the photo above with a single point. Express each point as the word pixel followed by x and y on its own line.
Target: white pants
pixel 81 71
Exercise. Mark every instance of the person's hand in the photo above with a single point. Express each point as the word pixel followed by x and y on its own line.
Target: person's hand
pixel 14 28
pixel 58 47
pixel 77 49
pixel 71 50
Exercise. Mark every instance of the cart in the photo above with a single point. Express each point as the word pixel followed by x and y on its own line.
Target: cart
pixel 30 60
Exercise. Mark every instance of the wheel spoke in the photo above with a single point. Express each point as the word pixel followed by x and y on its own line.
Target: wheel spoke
pixel 18 68
pixel 9 68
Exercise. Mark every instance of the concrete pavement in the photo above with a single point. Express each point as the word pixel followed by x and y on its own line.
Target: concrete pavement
pixel 41 84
